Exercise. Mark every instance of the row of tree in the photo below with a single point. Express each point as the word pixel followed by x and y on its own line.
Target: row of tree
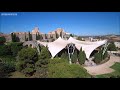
pixel 15 38
pixel 39 37
pixel 100 56
pixel 77 56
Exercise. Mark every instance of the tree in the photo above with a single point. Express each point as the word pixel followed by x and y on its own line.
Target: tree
pixel 15 47
pixel 64 55
pixel 71 35
pixel 74 57
pixel 28 55
pixel 40 37
pixel 45 54
pixel 4 50
pixel 46 36
pixel 36 36
pixel 28 71
pixel 26 39
pixel 105 54
pixel 14 37
pixel 84 56
pixel 57 36
pixel 41 64
pixel 61 34
pixel 5 70
pixel 7 65
pixel 98 57
pixel 2 40
pixel 27 58
pixel 30 36
pixel 81 56
pixel 112 47
pixel 51 36
pixel 79 38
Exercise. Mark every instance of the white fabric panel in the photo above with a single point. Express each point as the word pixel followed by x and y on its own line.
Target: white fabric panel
pixel 56 46
pixel 59 44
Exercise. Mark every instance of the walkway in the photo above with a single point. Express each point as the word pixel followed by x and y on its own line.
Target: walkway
pixel 103 68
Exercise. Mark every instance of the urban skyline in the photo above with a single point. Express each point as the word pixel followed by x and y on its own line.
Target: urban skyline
pixel 79 23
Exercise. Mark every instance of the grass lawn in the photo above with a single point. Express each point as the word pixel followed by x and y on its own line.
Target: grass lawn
pixel 114 74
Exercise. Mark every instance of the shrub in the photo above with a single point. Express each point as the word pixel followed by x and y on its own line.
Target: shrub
pixel 4 50
pixel 20 65
pixel 28 71
pixel 3 74
pixel 8 64
pixel 6 69
pixel 79 38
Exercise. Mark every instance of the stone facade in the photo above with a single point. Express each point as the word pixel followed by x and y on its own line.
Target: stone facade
pixel 50 36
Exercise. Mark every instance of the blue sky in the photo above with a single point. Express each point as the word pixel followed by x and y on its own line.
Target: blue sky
pixel 79 23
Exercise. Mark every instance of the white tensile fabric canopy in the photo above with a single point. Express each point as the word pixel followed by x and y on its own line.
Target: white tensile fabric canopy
pixel 59 44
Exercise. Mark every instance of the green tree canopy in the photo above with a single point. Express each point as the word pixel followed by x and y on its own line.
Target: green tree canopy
pixel 2 40
pixel 71 35
pixel 5 50
pixel 15 47
pixel 45 54
pixel 30 36
pixel 79 38
pixel 74 57
pixel 27 54
pixel 81 56
pixel 14 37
pixel 112 47
pixel 26 60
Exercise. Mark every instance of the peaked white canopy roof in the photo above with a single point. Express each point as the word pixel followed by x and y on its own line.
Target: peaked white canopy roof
pixel 59 44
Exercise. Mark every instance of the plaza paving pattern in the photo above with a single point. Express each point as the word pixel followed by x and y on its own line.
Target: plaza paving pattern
pixel 103 68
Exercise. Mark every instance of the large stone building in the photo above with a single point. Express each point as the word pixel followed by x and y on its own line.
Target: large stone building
pixel 45 37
